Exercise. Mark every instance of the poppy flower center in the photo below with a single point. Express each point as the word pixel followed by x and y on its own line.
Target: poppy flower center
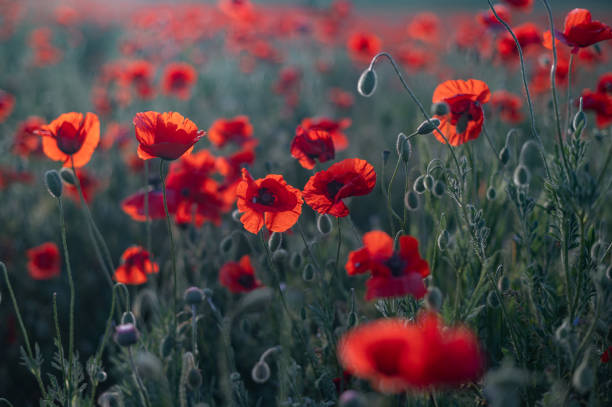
pixel 265 197
pixel 333 188
pixel 69 139
pixel 384 356
pixel 246 281
pixel 179 81
pixel 396 264
pixel 45 261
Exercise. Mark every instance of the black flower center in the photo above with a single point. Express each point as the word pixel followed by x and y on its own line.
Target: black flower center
pixel 333 188
pixel 396 264
pixel 265 197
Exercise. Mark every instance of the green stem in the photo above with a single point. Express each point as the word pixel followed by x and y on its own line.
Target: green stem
pixel 569 92
pixel 339 244
pixel 146 208
pixel 60 346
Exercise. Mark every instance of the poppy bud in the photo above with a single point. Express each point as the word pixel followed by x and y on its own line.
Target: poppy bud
pixel 236 215
pixel 101 376
pixel 443 239
pixel 584 376
pixel 427 128
pixel 491 193
pixel 385 156
pixel 433 299
pixel 503 284
pixel 439 189
pixel 428 182
pixel 352 320
pixel 579 122
pixel 126 334
pixel 128 318
pixel 411 200
pixel 194 379
pixel 167 346
pixel 399 143
pixel 521 176
pixel 68 176
pixel 419 185
pixel 279 256
pixel 193 296
pixel 296 260
pixel 504 155
pixel 275 241
pixel 440 108
pixel 308 272
pixel 367 83
pixel 405 150
pixel 352 398
pixel 226 244
pixel 324 224
pixel 261 372
pixel 492 300
pixel 53 183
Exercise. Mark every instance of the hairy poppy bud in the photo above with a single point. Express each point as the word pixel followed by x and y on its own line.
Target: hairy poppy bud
pixel 324 224
pixel 275 241
pixel 68 176
pixel 261 372
pixel 279 256
pixel 443 239
pixel 428 182
pixel 53 183
pixel 411 200
pixel 126 334
pixel 427 128
pixel 521 176
pixel 295 261
pixel 308 272
pixel 439 189
pixel 419 185
pixel 491 193
pixel 194 379
pixel 433 298
pixel 584 376
pixel 399 143
pixel 492 300
pixel 352 398
pixel 226 244
pixel 504 155
pixel 193 296
pixel 440 108
pixel 406 150
pixel 367 83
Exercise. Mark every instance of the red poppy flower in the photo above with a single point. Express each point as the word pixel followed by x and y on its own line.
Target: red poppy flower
pixel 540 81
pixel 363 46
pixel 605 356
pixel 520 4
pixel 528 36
pixel 134 205
pixel 71 136
pixel 580 31
pixel 601 104
pixel 9 176
pixel 604 84
pixel 396 355
pixel 26 140
pixel 268 201
pixel 341 98
pixel 464 120
pixel 415 58
pixel 237 130
pixel 325 190
pixel 7 102
pixel 333 127
pixel 288 80
pixel 394 274
pixel 44 261
pixel 308 145
pixel 488 19
pixel 165 135
pixel 179 79
pixel 231 168
pixel 135 265
pixel 425 27
pixel 239 277
pixel 89 186
pixel 508 105
pixel 139 75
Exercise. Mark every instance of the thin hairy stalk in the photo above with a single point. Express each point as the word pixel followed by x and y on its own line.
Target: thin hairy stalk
pixel 339 244
pixel 141 389
pixel 22 327
pixel 72 292
pixel 312 256
pixel 194 330
pixel 58 336
pixel 568 112
pixel 146 208
pixel 490 142
pixel 389 206
pixel 172 248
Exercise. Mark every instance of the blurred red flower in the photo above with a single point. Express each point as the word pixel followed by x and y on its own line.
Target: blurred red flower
pixel 178 80
pixel 363 46
pixel 463 122
pixel 604 84
pixel 135 265
pixel 71 136
pixel 239 277
pixel 508 105
pixel 308 145
pixel 334 127
pixel 236 130
pixel 270 201
pixel 9 176
pixel 89 186
pixel 520 4
pixel 601 104
pixel 165 135
pixel 341 98
pixel 134 205
pixel 139 75
pixel 325 190
pixel 7 102
pixel 528 36
pixel 425 27
pixel 26 142
pixel 44 261
pixel 580 31
pixel 488 19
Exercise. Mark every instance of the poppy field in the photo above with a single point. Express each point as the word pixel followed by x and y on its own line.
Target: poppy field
pixel 309 203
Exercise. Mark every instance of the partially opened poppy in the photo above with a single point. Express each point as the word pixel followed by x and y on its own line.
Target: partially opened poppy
pixel 239 277
pixel 179 78
pixel 465 117
pixel 393 273
pixel 44 261
pixel 236 130
pixel 270 201
pixel 334 127
pixel 135 265
pixel 134 205
pixel 165 135
pixel 308 145
pixel 508 105
pixel 71 137
pixel 325 190
pixel 7 102
pixel 580 31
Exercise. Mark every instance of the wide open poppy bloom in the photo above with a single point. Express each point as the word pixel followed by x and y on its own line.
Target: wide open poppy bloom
pixel 7 102
pixel 363 46
pixel 270 201
pixel 508 105
pixel 134 205
pixel 580 31
pixel 239 277
pixel 394 273
pixel 308 145
pixel 165 135
pixel 135 265
pixel 71 136
pixel 44 261
pixel 179 78
pixel 236 130
pixel 325 190
pixel 334 127
pixel 464 120
pixel 528 36
pixel 601 104
pixel 26 140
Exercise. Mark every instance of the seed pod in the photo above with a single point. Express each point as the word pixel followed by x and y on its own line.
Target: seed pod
pixel 411 200
pixel 440 108
pixel 433 298
pixel 521 176
pixel 295 261
pixel 427 128
pixel 443 239
pixel 275 241
pixel 194 379
pixel 226 244
pixel 439 189
pixel 504 155
pixel 68 176
pixel 367 83
pixel 53 183
pixel 428 182
pixel 324 224
pixel 126 335
pixel 352 398
pixel 491 193
pixel 308 273
pixel 193 296
pixel 492 300
pixel 419 185
pixel 261 372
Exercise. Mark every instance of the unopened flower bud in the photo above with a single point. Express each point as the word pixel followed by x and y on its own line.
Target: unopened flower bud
pixel 324 224
pixel 439 188
pixel 128 318
pixel 101 376
pixel 521 176
pixel 68 176
pixel 226 244
pixel 126 334
pixel 428 126
pixel 194 379
pixel 491 193
pixel 504 155
pixel 597 251
pixel 236 215
pixel 492 300
pixel 352 320
pixel 399 143
pixel 433 299
pixel 275 241
pixel 367 83
pixel 53 183
pixel 440 108
pixel 279 256
pixel 411 200
pixel 193 296
pixel 428 182
pixel 308 272
pixel 564 331
pixel 295 261
pixel 580 121
pixel 443 239
pixel 419 185
pixel 352 398
pixel 406 151
pixel 261 372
